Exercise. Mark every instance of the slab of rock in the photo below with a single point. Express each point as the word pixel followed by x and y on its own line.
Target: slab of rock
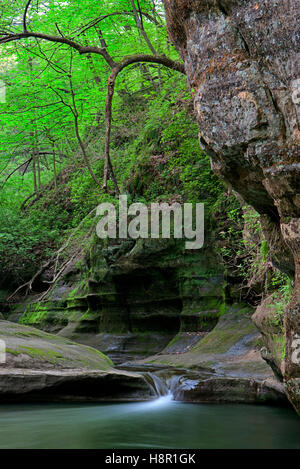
pixel 236 390
pixel 224 365
pixel 41 366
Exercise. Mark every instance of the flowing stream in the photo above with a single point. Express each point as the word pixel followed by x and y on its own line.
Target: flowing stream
pixel 158 423
pixel 161 423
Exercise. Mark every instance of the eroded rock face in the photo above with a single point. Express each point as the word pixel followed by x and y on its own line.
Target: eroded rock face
pixel 242 59
pixel 131 298
pixel 270 323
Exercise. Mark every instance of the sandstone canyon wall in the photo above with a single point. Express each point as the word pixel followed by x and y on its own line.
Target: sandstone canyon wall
pixel 242 59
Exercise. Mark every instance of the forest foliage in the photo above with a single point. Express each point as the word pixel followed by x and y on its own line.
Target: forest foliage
pixel 57 62
pixel 46 186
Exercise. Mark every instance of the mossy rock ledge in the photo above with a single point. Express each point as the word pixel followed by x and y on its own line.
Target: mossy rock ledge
pixel 130 298
pixel 41 366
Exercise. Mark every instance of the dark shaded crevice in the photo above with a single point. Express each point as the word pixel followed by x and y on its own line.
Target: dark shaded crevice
pixel 256 195
pixel 247 49
pixel 150 300
pixel 276 107
pixel 101 388
pixel 260 126
pixel 222 8
pixel 128 317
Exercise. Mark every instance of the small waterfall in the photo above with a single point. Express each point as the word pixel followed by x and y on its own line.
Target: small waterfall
pixel 168 384
pixel 165 383
pixel 157 384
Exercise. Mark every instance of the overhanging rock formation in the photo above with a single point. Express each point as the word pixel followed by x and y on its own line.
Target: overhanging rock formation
pixel 242 59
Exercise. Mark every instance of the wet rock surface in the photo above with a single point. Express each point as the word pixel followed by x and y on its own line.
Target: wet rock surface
pixel 243 64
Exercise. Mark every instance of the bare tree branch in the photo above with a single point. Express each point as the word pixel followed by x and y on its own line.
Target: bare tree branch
pixel 140 26
pixel 16 169
pixel 108 57
pixel 139 58
pixel 116 13
pixel 57 39
pixel 25 15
